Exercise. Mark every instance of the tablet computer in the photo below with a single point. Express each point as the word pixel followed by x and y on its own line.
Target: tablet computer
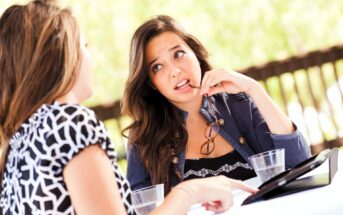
pixel 286 183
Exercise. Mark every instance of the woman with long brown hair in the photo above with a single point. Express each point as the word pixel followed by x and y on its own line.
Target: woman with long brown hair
pixel 193 121
pixel 56 157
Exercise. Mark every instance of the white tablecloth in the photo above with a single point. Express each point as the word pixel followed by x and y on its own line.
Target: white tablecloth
pixel 323 200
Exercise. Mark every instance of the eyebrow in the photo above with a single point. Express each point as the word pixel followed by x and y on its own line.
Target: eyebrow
pixel 171 49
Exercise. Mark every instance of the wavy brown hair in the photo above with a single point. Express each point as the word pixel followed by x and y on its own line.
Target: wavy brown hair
pixel 39 58
pixel 157 127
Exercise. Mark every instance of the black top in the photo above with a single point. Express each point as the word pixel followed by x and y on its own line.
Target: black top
pixel 231 165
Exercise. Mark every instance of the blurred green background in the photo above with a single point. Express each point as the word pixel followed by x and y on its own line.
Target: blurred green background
pixel 237 33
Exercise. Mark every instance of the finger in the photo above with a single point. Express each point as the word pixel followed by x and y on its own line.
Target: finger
pixel 216 90
pixel 206 84
pixel 204 78
pixel 217 80
pixel 215 86
pixel 215 206
pixel 211 78
pixel 213 203
pixel 215 209
pixel 236 184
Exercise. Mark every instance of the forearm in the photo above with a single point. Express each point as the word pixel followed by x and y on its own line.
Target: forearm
pixel 217 190
pixel 178 201
pixel 276 119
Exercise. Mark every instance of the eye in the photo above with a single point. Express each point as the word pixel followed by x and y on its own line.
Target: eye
pixel 156 67
pixel 179 53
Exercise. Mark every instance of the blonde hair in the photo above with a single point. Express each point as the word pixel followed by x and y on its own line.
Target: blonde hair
pixel 39 59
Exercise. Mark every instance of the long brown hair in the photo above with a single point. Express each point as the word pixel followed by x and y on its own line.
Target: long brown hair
pixel 158 127
pixel 39 57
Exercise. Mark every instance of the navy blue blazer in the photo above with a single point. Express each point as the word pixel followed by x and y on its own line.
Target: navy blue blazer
pixel 241 119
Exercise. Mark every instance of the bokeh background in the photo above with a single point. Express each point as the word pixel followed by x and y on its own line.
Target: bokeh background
pixel 237 33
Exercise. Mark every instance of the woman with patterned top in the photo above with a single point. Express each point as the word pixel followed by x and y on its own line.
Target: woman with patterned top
pixel 192 121
pixel 56 157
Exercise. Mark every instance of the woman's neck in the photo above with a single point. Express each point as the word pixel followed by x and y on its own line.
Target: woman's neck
pixel 193 106
pixel 68 98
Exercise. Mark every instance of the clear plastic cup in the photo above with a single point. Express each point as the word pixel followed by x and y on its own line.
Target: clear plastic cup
pixel 146 199
pixel 268 164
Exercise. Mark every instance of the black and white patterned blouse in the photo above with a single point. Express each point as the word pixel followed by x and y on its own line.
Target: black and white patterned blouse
pixel 231 165
pixel 45 143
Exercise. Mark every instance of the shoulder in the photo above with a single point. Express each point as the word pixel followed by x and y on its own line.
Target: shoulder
pixel 76 125
pixel 72 129
pixel 73 113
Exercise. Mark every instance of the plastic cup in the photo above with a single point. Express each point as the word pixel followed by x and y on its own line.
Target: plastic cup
pixel 146 199
pixel 268 164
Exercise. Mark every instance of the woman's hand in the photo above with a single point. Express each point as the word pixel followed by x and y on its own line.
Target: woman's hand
pixel 214 193
pixel 222 80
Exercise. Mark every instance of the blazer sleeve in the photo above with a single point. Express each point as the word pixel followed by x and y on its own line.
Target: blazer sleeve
pixel 296 147
pixel 136 174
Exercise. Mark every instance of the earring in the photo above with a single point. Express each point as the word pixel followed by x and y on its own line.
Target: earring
pixel 175 159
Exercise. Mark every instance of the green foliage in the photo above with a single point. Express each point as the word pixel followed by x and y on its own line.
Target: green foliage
pixel 237 34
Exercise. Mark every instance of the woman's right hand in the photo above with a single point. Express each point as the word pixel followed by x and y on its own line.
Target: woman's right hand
pixel 215 193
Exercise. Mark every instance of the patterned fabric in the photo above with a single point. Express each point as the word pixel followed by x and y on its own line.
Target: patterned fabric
pixel 231 165
pixel 45 143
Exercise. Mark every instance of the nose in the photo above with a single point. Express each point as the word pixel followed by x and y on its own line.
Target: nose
pixel 175 72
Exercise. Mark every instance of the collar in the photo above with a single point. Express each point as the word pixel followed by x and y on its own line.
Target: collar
pixel 203 109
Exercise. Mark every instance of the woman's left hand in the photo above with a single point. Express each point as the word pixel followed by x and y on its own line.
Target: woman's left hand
pixel 222 80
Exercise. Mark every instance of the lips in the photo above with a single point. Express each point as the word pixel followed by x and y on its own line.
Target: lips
pixel 182 84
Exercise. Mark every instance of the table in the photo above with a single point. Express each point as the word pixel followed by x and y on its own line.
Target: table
pixel 323 200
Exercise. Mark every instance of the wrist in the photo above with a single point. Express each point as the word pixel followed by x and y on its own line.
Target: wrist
pixel 254 88
pixel 187 190
pixel 178 201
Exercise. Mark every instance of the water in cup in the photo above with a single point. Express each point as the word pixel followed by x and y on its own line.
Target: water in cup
pixel 147 199
pixel 269 172
pixel 268 164
pixel 146 208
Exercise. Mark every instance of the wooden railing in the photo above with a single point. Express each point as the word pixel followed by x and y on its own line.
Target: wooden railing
pixel 308 87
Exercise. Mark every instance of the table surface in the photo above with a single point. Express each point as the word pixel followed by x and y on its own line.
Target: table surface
pixel 323 200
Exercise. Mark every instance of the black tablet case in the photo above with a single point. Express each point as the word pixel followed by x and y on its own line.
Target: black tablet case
pixel 288 182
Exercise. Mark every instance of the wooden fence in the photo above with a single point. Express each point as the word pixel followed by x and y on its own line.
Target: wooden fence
pixel 308 87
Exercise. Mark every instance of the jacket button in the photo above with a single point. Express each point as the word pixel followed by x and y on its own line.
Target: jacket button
pixel 221 122
pixel 242 140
